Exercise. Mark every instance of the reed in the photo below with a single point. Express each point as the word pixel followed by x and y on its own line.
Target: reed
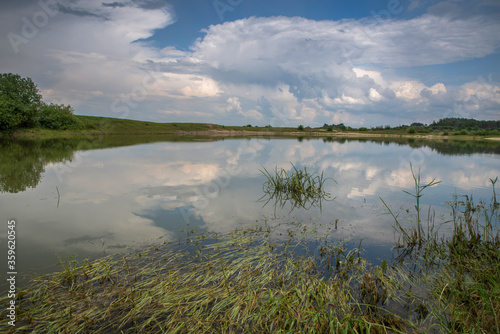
pixel 451 278
pixel 415 235
pixel 299 187
pixel 459 292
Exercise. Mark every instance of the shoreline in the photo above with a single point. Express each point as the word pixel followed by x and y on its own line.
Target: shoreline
pixel 102 126
pixel 241 134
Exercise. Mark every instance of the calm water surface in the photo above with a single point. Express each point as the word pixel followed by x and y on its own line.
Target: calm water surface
pixel 83 199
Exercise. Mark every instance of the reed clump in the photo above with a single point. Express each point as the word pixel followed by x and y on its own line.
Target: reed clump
pixel 299 187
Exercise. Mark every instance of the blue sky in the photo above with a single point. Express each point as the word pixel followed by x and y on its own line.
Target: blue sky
pixel 237 62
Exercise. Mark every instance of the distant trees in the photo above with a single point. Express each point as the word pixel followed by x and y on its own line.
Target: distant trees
pixel 448 126
pixel 417 124
pixel 464 123
pixel 21 107
pixel 332 127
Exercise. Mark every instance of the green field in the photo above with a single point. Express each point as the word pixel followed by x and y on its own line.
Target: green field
pixel 93 125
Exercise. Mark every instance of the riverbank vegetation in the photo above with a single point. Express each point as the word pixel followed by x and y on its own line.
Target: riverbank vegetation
pixel 21 107
pixel 99 126
pixel 444 127
pixel 285 278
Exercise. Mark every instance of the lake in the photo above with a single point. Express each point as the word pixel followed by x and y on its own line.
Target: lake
pixel 85 198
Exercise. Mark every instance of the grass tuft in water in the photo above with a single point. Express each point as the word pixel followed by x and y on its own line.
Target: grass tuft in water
pixel 300 188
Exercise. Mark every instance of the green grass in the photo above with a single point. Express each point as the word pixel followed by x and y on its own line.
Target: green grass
pixel 241 282
pixel 299 188
pixel 95 126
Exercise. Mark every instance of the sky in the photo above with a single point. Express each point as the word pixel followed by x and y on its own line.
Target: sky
pixel 279 62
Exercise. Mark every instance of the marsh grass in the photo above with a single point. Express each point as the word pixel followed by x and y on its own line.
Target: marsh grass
pixel 451 278
pixel 419 235
pixel 459 290
pixel 243 282
pixel 299 187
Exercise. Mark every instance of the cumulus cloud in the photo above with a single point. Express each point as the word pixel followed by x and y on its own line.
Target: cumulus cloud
pixel 424 40
pixel 324 60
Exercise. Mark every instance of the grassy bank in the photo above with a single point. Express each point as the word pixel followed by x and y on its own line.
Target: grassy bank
pixel 98 126
pixel 269 279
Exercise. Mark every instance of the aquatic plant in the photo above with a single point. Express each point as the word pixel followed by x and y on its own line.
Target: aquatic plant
pixel 493 182
pixel 415 235
pixel 244 281
pixel 299 187
pixel 459 290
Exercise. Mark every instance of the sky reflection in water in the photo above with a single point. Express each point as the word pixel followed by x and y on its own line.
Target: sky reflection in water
pixel 111 199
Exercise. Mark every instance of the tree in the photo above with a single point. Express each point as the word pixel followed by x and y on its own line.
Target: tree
pixel 20 102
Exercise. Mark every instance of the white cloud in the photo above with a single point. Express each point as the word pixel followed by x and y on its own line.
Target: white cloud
pixel 234 104
pixel 315 60
pixel 201 87
pixel 265 43
pixel 408 89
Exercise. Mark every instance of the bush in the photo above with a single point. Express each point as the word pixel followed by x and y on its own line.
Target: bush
pixel 301 128
pixel 422 130
pixel 58 117
pixel 462 132
pixel 411 130
pixel 20 102
pixel 330 129
pixel 480 133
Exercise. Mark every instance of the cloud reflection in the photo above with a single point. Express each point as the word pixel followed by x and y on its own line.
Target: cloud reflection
pixel 130 195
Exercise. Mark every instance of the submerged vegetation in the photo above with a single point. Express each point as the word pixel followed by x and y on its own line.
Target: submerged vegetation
pixel 284 278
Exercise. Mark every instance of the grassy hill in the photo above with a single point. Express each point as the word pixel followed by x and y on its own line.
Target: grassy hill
pixel 98 126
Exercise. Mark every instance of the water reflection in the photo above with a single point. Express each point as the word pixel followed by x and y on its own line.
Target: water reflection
pixel 114 195
pixel 23 161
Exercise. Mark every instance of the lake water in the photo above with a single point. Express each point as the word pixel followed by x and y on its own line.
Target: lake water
pixel 88 198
